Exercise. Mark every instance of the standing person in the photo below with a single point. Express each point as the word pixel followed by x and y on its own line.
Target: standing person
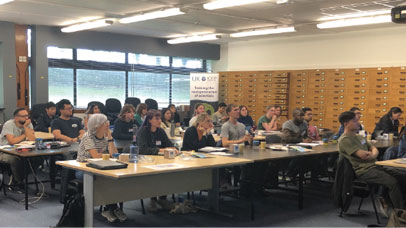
pixel 389 123
pixel 233 132
pixel 312 131
pixel 362 156
pixel 280 119
pixel 123 132
pixel 94 143
pixel 295 130
pixel 140 113
pixel 15 131
pixel 268 122
pixel 91 110
pixel 175 115
pixel 199 108
pixel 198 135
pixel 67 128
pixel 45 119
pixel 220 117
pixel 245 118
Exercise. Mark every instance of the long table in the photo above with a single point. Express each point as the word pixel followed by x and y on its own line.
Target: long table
pixel 138 181
pixel 25 156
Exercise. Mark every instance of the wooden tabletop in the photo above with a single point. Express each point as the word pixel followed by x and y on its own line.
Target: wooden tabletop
pixel 35 152
pixel 393 163
pixel 44 135
pixel 139 169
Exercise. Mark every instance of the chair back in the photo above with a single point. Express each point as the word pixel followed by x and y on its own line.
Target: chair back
pixel 36 111
pixel 133 100
pixel 113 105
pixel 151 104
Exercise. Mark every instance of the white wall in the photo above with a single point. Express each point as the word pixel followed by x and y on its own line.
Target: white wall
pixel 368 48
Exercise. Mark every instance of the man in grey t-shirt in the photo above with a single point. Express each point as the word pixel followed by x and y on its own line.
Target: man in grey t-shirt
pixel 15 131
pixel 295 130
pixel 233 132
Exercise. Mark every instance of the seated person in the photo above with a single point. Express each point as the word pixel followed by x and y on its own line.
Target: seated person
pixel 166 122
pixel 152 140
pixel 295 130
pixel 362 156
pixel 66 128
pixel 358 114
pixel 199 136
pixel 15 131
pixel 245 118
pixel 233 132
pixel 94 143
pixel 45 119
pixel 389 123
pixel 124 127
pixel 220 116
pixel 312 131
pixel 140 113
pixel 175 115
pixel 199 108
pixel 280 119
pixel 268 122
pixel 91 110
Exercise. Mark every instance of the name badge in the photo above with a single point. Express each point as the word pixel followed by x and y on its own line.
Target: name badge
pixel 363 142
pixel 74 125
pixel 131 130
pixel 158 143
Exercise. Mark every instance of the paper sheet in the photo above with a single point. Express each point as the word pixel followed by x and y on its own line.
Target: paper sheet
pixel 221 153
pixel 165 166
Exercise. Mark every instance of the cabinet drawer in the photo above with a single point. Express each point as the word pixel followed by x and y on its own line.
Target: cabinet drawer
pixel 316 92
pixel 297 102
pixel 399 86
pixel 235 100
pixel 334 92
pixel 280 75
pixel 315 97
pixel 383 92
pixel 317 80
pixel 377 111
pixel 279 102
pixel 378 104
pixel 336 86
pixel 251 76
pixel 280 96
pixel 336 79
pixel 317 86
pixel 380 98
pixel 332 109
pixel 335 98
pixel 379 85
pixel 357 92
pixel 298 96
pixel 397 73
pixel 279 86
pixel 317 108
pixel 280 90
pixel 398 93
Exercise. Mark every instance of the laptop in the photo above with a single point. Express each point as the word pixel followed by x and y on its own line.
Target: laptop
pixel 106 164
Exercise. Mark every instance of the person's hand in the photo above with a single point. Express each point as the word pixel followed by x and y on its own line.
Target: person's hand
pixel 108 134
pixel 224 118
pixel 201 129
pixel 75 140
pixel 176 150
pixel 247 138
pixel 274 117
pixel 27 122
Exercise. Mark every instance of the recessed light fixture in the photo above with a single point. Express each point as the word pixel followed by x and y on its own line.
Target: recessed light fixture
pixel 152 15
pixel 354 15
pixel 355 22
pixel 260 32
pixel 5 1
pixel 87 25
pixel 229 3
pixel 189 39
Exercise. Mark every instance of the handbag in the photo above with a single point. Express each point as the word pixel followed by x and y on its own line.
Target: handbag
pixel 397 218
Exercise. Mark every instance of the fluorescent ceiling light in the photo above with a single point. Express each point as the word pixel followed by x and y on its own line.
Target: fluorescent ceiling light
pixel 152 15
pixel 88 25
pixel 355 22
pixel 263 32
pixel 5 1
pixel 352 15
pixel 189 39
pixel 229 3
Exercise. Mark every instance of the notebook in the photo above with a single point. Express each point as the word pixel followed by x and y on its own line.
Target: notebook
pixel 106 164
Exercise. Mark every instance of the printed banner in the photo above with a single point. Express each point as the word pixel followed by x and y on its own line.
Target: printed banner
pixel 204 88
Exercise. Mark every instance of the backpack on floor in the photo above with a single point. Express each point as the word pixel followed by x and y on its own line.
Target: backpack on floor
pixel 73 211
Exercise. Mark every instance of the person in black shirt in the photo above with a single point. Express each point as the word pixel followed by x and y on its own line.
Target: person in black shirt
pixel 175 115
pixel 66 127
pixel 151 138
pixel 389 123
pixel 123 132
pixel 45 119
pixel 245 118
pixel 199 136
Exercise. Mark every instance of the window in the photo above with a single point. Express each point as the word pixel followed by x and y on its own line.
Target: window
pixel 148 60
pixel 180 89
pixel 149 85
pixel 99 85
pixel 187 63
pixel 60 84
pixel 101 56
pixel 59 53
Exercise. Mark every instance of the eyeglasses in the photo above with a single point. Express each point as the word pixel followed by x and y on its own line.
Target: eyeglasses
pixel 23 116
pixel 67 109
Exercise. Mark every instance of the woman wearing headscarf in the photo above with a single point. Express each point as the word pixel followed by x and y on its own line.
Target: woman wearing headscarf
pixel 94 143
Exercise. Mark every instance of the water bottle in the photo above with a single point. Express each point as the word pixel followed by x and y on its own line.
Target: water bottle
pixel 134 152
pixel 135 129
pixel 173 129
pixel 38 143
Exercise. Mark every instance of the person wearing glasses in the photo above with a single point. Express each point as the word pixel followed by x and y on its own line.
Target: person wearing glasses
pixel 15 131
pixel 66 128
pixel 198 135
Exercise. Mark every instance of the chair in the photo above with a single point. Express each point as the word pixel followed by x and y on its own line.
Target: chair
pixel 151 104
pixel 36 111
pixel 4 168
pixel 113 108
pixel 346 186
pixel 100 105
pixel 135 101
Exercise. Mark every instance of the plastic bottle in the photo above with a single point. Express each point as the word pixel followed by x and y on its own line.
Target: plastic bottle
pixel 135 129
pixel 134 152
pixel 173 129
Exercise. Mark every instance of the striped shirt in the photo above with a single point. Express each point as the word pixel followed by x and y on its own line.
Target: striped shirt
pixel 91 142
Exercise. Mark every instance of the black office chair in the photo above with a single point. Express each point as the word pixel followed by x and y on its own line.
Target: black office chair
pixel 135 101
pixel 100 105
pixel 113 108
pixel 4 170
pixel 36 111
pixel 151 104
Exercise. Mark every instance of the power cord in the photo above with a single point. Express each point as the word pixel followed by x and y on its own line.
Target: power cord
pixel 35 199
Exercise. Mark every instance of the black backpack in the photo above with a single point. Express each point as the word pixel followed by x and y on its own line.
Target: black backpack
pixel 73 211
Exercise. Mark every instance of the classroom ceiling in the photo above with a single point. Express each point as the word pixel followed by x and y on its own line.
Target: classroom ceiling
pixel 303 14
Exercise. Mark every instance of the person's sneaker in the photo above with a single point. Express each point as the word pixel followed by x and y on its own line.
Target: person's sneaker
pixel 120 214
pixel 153 206
pixel 383 207
pixel 109 215
pixel 165 204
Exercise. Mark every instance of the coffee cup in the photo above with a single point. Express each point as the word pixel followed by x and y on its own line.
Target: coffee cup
pixel 262 145
pixel 169 154
pixel 105 156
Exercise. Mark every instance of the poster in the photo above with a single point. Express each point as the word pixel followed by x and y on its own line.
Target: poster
pixel 204 88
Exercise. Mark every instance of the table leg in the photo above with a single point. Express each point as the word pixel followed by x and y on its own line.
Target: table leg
pixel 214 192
pixel 88 194
pixel 300 192
pixel 25 163
pixel 52 171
